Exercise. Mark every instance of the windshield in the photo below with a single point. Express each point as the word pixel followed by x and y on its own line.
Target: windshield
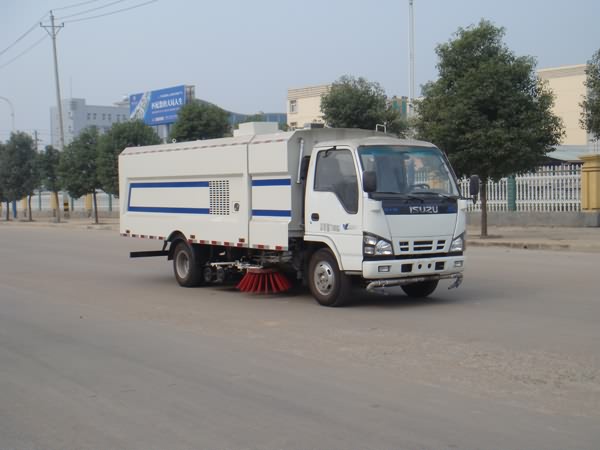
pixel 409 170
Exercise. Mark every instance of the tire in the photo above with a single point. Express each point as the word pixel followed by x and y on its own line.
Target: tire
pixel 421 289
pixel 188 272
pixel 328 285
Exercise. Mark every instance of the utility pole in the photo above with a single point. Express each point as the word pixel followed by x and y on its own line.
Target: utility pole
pixel 53 30
pixel 411 57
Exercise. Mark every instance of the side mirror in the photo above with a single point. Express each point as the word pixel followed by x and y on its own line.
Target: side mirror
pixel 369 181
pixel 474 187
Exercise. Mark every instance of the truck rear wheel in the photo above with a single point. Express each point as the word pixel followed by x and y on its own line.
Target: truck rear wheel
pixel 421 289
pixel 188 272
pixel 329 285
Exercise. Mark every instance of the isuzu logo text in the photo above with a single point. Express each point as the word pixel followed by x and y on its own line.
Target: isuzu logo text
pixel 424 209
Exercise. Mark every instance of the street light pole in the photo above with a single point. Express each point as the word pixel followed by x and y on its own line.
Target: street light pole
pixel 411 57
pixel 12 111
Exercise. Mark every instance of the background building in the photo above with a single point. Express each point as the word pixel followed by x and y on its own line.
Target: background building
pixel 77 115
pixel 236 118
pixel 400 104
pixel 304 105
pixel 569 91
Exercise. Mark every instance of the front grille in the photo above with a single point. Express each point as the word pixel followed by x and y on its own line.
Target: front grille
pixel 422 246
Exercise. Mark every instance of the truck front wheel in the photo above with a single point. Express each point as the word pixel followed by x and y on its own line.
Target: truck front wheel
pixel 187 272
pixel 421 289
pixel 329 285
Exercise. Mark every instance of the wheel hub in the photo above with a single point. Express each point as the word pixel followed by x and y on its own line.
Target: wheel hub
pixel 182 264
pixel 324 278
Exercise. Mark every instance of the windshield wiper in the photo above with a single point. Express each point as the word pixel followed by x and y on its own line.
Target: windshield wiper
pixel 401 195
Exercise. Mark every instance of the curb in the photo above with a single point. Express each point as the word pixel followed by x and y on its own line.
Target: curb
pixel 62 224
pixel 522 245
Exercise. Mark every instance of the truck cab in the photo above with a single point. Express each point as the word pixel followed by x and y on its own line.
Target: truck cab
pixel 387 212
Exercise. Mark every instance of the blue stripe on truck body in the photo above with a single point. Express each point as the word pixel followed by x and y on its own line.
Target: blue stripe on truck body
pixel 274 182
pixel 166 184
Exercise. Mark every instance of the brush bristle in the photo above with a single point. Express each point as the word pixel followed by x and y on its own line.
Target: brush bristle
pixel 263 281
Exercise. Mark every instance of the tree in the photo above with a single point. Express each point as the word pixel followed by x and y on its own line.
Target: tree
pixel 78 168
pixel 258 117
pixel 49 161
pixel 18 175
pixel 35 180
pixel 357 103
pixel 111 144
pixel 200 120
pixel 487 110
pixel 590 116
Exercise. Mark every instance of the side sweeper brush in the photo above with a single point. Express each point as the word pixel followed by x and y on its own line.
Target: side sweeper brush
pixel 263 281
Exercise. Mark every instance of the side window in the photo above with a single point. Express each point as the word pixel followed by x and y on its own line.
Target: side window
pixel 336 173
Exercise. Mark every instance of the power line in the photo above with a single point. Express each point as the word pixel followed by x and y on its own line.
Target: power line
pixel 112 12
pixel 75 5
pixel 91 9
pixel 31 47
pixel 20 38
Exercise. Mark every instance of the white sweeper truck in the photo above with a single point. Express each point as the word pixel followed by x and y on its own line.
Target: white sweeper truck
pixel 332 208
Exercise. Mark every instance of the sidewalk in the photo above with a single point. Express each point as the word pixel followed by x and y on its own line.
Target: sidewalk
pixel 537 238
pixel 533 238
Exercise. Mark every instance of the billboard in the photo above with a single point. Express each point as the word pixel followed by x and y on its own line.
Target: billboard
pixel 157 107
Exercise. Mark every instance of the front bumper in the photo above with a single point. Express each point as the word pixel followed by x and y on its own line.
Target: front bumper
pixel 390 282
pixel 437 266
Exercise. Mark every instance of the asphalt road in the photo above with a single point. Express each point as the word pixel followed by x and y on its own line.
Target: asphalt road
pixel 101 352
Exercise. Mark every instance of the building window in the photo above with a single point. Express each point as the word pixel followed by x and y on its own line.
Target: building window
pixel 293 106
pixel 89 116
pixel 110 117
pixel 103 116
pixel 94 116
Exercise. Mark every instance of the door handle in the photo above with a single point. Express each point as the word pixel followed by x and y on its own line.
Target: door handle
pixel 314 217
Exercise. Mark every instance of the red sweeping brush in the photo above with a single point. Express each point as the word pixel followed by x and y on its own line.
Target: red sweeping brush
pixel 263 281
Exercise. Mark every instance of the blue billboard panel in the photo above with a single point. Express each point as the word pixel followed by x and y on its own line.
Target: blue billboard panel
pixel 157 107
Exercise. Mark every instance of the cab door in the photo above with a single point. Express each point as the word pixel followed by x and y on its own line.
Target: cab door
pixel 333 204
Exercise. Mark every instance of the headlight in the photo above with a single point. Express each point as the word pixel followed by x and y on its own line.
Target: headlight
pixel 383 248
pixel 458 244
pixel 369 240
pixel 376 246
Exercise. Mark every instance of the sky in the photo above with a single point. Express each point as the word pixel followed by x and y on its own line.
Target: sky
pixel 244 55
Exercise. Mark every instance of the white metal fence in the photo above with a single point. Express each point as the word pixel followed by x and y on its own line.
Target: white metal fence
pixel 550 188
pixel 42 201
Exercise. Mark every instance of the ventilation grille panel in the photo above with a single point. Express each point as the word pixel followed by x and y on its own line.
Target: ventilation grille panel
pixel 219 197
